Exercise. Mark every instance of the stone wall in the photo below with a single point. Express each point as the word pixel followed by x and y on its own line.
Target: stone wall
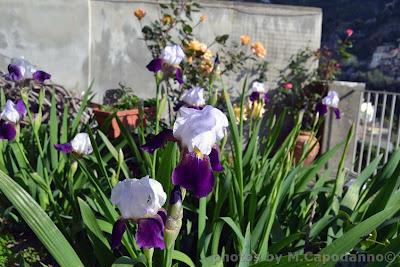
pixel 78 41
pixel 335 131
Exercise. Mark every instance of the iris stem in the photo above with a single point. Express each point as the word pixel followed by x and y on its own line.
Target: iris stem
pixel 158 116
pixel 168 257
pixel 202 226
pixel 148 252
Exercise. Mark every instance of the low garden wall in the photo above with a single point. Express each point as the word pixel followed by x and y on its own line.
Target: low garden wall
pixel 335 131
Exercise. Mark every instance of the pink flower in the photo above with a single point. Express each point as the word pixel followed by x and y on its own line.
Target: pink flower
pixel 349 32
pixel 288 86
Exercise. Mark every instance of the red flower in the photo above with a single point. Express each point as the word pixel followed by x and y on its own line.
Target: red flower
pixel 288 86
pixel 349 32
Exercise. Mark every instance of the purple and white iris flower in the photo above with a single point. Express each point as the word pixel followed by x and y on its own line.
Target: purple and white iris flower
pixel 141 201
pixel 329 101
pixel 192 98
pixel 257 92
pixel 79 145
pixel 20 69
pixel 12 114
pixel 197 132
pixel 168 62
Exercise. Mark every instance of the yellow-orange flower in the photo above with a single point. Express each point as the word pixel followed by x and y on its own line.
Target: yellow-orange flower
pixel 236 111
pixel 139 13
pixel 245 39
pixel 197 46
pixel 167 19
pixel 206 66
pixel 258 49
pixel 257 109
pixel 208 54
pixel 202 18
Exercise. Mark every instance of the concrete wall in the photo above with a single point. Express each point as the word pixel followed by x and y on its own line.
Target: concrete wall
pixel 79 40
pixel 335 131
pixel 51 34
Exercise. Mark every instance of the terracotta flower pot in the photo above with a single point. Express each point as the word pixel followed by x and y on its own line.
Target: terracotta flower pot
pixel 312 143
pixel 129 118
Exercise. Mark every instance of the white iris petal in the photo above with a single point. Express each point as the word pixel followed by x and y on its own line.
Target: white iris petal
pixel 367 112
pixel 331 100
pixel 194 97
pixel 200 129
pixel 173 54
pixel 26 68
pixel 10 113
pixel 257 87
pixel 81 144
pixel 138 198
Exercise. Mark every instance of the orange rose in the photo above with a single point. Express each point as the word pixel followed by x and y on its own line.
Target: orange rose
pixel 258 49
pixel 245 39
pixel 139 13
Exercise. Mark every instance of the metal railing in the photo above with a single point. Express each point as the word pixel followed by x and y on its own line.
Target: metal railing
pixel 377 129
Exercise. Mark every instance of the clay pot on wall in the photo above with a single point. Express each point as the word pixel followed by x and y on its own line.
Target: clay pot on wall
pixel 129 118
pixel 309 140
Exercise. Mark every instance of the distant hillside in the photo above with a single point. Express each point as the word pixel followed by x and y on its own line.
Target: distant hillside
pixel 376 25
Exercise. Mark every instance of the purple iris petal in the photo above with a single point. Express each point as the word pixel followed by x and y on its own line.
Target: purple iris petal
pixel 154 142
pixel 217 61
pixel 155 65
pixel 179 105
pixel 150 232
pixel 194 107
pixel 117 233
pixel 20 107
pixel 14 72
pixel 214 160
pixel 179 76
pixel 184 104
pixel 41 76
pixel 254 96
pixel 7 131
pixel 337 113
pixel 176 195
pixel 163 214
pixel 194 174
pixel 321 108
pixel 266 98
pixel 66 148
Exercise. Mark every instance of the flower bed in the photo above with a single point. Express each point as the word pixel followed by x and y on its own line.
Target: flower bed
pixel 209 188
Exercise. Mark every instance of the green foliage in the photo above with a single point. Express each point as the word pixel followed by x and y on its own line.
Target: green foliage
pixel 265 202
pixel 127 100
pixel 39 222
pixel 12 253
pixel 5 250
pixel 177 24
pixel 309 85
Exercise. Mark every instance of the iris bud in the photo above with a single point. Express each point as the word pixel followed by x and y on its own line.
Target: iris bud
pixel 175 214
pixel 74 167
